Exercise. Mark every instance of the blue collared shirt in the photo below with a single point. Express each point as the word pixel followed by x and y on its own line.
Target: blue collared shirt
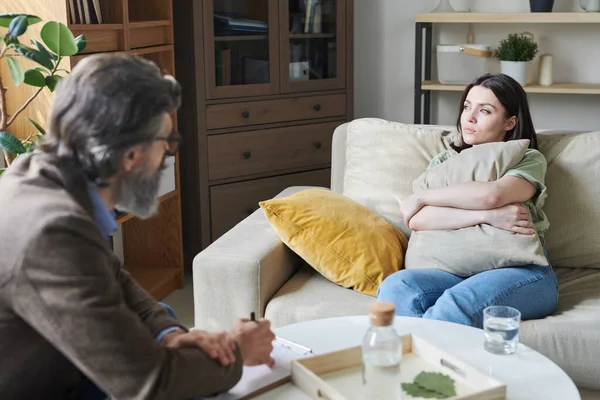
pixel 107 224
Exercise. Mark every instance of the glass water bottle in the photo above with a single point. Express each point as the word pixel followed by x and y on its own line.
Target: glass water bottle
pixel 381 355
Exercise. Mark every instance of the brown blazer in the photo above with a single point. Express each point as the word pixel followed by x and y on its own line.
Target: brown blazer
pixel 68 309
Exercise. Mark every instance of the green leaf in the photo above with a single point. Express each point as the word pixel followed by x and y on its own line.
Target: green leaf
pixel 43 50
pixel 2 170
pixel 34 78
pixel 42 70
pixel 436 382
pixel 414 390
pixel 6 19
pixel 59 39
pixel 52 81
pixel 81 43
pixel 16 71
pixel 17 26
pixel 37 126
pixel 11 144
pixel 34 55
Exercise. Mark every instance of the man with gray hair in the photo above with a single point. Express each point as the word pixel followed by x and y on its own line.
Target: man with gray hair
pixel 70 316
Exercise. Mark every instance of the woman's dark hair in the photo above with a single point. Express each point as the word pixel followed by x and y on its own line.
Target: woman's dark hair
pixel 514 100
pixel 105 106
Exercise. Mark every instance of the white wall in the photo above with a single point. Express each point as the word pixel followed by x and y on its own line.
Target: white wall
pixel 384 60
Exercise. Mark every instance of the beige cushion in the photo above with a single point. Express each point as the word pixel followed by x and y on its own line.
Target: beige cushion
pixel 571 336
pixel 383 159
pixel 308 295
pixel 573 203
pixel 468 251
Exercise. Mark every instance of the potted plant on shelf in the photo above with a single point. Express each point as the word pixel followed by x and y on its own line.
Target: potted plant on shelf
pixel 514 53
pixel 58 42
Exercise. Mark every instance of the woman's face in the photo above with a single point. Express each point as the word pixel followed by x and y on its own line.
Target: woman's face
pixel 482 119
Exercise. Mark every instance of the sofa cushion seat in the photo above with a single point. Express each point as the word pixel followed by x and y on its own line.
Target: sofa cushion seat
pixel 571 336
pixel 308 295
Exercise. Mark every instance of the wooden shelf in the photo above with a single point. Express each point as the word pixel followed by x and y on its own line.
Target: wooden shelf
pixel 240 38
pixel 312 35
pixel 148 24
pixel 96 27
pixel 557 88
pixel 159 282
pixel 150 50
pixel 500 18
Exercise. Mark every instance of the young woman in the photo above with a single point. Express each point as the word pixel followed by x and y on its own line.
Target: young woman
pixel 493 108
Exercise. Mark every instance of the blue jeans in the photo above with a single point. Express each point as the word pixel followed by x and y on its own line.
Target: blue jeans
pixel 436 294
pixel 89 391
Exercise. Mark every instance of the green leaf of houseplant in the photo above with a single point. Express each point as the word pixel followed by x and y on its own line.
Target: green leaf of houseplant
pixel 52 81
pixel 43 50
pixel 11 144
pixel 5 19
pixel 81 43
pixel 34 55
pixel 16 71
pixel 37 126
pixel 17 26
pixel 34 78
pixel 59 39
pixel 2 170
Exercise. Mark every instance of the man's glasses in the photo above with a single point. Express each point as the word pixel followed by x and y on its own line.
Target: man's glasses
pixel 174 140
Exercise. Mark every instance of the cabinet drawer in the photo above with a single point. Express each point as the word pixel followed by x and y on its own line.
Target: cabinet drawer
pixel 270 111
pixel 145 34
pixel 101 40
pixel 268 150
pixel 229 204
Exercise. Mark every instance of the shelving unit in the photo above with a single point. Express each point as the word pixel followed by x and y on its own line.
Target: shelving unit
pixel 152 249
pixel 424 84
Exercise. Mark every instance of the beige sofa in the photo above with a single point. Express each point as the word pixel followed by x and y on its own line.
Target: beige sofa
pixel 250 269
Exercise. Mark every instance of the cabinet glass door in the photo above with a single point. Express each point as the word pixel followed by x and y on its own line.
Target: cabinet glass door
pixel 241 45
pixel 313 45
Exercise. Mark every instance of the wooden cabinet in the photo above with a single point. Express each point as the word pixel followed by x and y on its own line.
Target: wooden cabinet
pixel 266 84
pixel 152 249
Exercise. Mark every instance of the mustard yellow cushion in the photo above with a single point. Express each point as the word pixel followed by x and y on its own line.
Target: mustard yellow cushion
pixel 344 241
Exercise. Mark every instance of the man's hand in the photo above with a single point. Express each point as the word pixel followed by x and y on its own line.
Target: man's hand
pixel 410 206
pixel 512 217
pixel 255 340
pixel 217 345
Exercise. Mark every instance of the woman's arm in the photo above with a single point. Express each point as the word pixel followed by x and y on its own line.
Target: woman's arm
pixel 479 195
pixel 512 217
pixel 446 218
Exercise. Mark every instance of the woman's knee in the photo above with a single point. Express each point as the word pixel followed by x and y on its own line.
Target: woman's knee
pixel 453 307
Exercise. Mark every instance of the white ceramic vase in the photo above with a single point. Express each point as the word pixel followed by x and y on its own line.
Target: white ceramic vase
pixel 516 70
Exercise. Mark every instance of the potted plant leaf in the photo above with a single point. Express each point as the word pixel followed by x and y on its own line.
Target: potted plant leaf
pixel 57 42
pixel 514 53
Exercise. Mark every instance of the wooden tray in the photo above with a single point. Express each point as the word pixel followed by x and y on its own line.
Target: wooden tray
pixel 337 375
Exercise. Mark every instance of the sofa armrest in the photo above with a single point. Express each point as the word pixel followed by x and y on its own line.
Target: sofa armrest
pixel 241 271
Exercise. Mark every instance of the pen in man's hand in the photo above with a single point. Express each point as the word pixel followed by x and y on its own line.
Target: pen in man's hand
pixel 252 316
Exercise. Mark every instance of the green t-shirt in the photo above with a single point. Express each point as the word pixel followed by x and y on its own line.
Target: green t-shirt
pixel 532 168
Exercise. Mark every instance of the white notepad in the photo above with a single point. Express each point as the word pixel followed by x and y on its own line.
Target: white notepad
pixel 259 377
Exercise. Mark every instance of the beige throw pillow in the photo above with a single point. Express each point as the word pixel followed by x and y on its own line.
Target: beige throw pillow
pixel 467 251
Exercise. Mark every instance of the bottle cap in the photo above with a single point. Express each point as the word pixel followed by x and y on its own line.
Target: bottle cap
pixel 382 313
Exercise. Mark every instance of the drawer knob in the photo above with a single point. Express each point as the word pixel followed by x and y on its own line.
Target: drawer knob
pixel 317 107
pixel 247 155
pixel 246 114
pixel 318 145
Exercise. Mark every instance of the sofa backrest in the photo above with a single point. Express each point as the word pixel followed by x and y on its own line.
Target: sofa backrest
pixel 375 162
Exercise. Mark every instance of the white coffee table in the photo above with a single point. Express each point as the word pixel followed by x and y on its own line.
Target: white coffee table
pixel 527 374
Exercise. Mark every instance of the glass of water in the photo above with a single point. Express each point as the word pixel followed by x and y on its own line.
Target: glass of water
pixel 501 327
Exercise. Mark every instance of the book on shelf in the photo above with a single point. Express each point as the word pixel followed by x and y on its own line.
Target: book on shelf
pixel 85 12
pixel 231 23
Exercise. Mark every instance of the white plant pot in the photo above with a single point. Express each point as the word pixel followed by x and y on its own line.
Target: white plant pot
pixel 516 70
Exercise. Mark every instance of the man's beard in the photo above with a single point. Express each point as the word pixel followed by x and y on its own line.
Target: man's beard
pixel 138 193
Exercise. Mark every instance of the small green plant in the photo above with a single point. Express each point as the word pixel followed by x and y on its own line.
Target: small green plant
pixel 517 47
pixel 58 42
pixel 430 385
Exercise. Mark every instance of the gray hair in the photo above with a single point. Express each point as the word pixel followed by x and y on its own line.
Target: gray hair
pixel 104 107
